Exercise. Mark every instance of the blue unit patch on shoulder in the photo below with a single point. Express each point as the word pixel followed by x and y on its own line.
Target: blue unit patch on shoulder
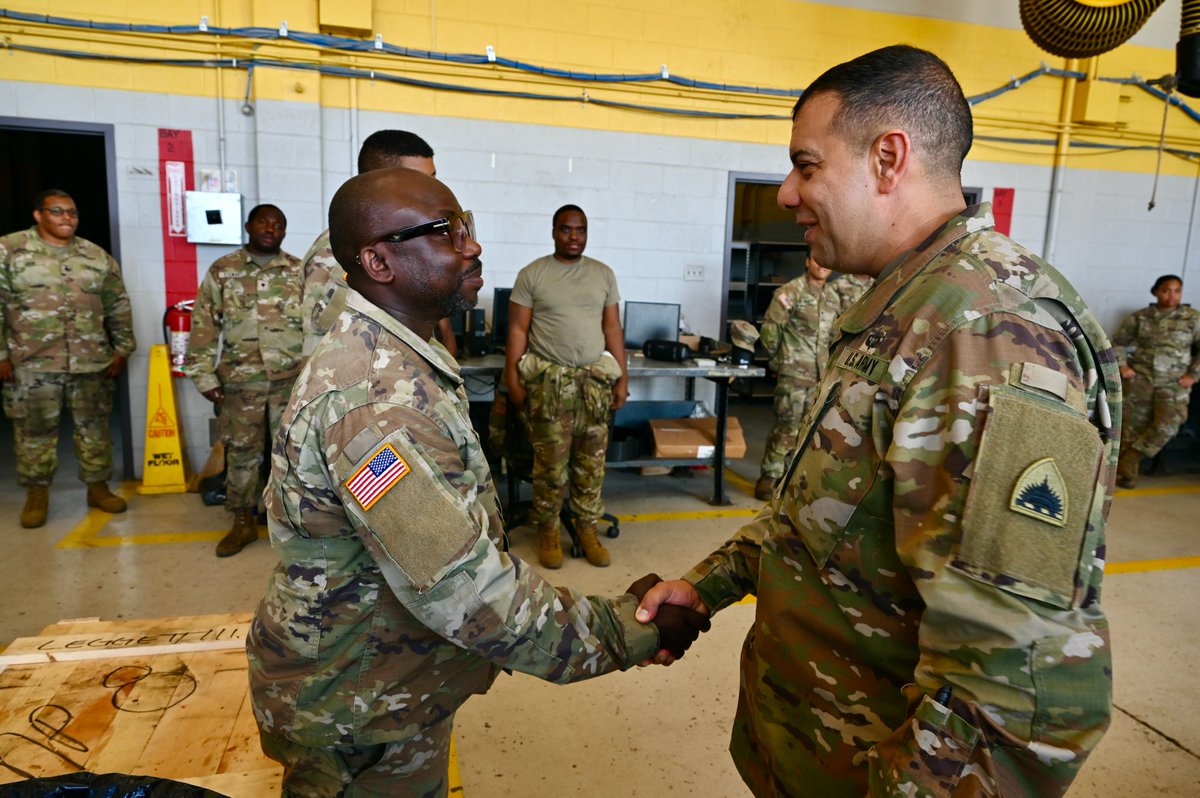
pixel 1041 493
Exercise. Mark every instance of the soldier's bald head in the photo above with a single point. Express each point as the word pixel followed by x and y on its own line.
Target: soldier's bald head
pixel 366 207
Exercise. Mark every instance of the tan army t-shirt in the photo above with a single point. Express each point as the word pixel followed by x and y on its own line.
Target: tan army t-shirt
pixel 568 301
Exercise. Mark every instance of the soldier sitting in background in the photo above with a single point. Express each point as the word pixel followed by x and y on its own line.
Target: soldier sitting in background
pixel 1158 374
pixel 66 330
pixel 249 304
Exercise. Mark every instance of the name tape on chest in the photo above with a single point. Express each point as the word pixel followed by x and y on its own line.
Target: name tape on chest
pixel 385 468
pixel 865 364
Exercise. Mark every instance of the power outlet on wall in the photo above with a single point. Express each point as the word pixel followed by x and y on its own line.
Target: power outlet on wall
pixel 695 273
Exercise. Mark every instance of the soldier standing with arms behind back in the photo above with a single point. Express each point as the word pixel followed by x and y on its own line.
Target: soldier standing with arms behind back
pixel 928 575
pixel 565 369
pixel 795 333
pixel 66 330
pixel 248 310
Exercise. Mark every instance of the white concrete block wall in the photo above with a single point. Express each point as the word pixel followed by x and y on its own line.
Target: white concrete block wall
pixel 655 203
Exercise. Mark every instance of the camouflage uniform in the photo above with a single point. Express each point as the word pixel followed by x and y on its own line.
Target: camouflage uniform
pixel 324 291
pixel 395 600
pixel 253 312
pixel 65 315
pixel 795 334
pixel 942 524
pixel 851 287
pixel 567 413
pixel 1166 346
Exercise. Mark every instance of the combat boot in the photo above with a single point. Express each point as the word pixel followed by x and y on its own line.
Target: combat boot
pixel 1128 465
pixel 593 549
pixel 550 553
pixel 99 495
pixel 764 489
pixel 244 532
pixel 37 501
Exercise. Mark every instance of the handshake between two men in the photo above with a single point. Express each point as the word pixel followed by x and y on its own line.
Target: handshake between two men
pixel 675 609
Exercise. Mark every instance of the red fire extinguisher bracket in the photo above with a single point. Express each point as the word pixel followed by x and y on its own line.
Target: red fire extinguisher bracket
pixel 177 328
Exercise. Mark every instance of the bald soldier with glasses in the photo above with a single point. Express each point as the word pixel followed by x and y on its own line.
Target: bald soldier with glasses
pixel 395 598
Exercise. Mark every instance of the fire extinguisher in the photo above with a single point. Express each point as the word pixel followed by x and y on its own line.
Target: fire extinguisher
pixel 177 327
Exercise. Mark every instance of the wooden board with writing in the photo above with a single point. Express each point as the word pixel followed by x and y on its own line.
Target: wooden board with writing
pixel 166 698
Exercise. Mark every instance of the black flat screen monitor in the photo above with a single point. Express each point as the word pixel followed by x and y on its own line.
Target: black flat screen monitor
pixel 500 316
pixel 650 321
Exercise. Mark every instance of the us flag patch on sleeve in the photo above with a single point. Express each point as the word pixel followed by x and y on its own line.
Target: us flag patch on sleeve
pixel 385 468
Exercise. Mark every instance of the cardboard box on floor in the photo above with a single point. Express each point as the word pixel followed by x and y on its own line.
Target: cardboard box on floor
pixel 679 438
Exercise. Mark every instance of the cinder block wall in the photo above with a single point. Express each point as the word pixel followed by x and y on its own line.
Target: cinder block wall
pixel 655 187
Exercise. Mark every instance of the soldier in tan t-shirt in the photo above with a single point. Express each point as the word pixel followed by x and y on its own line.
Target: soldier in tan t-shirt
pixel 565 370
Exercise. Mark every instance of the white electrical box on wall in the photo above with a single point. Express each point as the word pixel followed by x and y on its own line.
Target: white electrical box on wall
pixel 214 217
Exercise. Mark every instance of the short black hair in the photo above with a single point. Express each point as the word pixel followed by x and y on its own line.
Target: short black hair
pixel 257 209
pixel 564 209
pixel 1166 278
pixel 45 195
pixel 905 87
pixel 391 145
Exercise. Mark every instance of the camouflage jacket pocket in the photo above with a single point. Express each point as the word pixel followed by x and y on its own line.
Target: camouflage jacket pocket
pixel 1072 676
pixel 538 376
pixel 933 748
pixel 1027 527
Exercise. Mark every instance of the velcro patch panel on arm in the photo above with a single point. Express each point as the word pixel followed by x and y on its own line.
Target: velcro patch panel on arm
pixel 419 519
pixel 1027 505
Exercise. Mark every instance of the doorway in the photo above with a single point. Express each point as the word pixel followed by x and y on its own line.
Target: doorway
pixel 79 158
pixel 763 250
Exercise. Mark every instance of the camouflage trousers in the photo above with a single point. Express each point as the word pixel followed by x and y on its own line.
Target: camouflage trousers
pixel 793 397
pixel 34 402
pixel 567 413
pixel 416 766
pixel 1152 414
pixel 249 417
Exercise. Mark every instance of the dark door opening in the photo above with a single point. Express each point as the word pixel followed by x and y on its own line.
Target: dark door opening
pixel 80 159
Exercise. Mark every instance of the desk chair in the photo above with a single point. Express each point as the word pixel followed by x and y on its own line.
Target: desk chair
pixel 516 454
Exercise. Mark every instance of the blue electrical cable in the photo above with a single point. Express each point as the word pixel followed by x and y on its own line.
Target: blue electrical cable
pixel 378 46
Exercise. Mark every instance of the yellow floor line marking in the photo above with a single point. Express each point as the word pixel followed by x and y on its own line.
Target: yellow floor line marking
pixel 454 777
pixel 1157 491
pixel 87 534
pixel 692 515
pixel 86 531
pixel 100 541
pixel 1143 566
pixel 739 481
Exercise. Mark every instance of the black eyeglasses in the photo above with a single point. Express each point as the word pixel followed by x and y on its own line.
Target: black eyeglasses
pixel 457 226
pixel 58 210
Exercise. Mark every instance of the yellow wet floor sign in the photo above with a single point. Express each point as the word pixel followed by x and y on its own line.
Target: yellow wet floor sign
pixel 163 470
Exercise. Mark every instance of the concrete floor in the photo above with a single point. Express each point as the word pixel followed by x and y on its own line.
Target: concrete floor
pixel 649 731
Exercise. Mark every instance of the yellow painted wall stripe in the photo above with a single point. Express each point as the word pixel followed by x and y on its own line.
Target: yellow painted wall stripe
pixel 784 44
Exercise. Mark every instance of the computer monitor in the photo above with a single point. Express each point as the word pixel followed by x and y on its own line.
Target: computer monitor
pixel 650 321
pixel 500 316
